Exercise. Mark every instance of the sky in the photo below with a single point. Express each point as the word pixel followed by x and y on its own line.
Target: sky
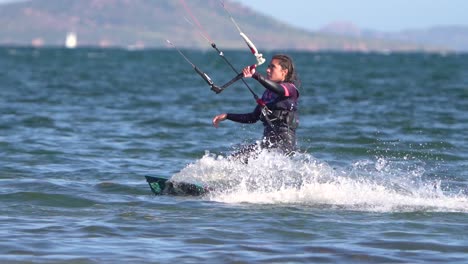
pixel 383 15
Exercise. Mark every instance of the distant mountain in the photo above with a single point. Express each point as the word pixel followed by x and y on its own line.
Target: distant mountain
pixel 148 23
pixel 452 37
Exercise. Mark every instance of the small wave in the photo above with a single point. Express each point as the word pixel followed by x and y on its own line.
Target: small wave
pixel 117 188
pixel 50 193
pixel 49 199
pixel 381 185
pixel 39 121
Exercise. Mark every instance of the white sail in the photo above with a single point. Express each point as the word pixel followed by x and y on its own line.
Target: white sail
pixel 71 40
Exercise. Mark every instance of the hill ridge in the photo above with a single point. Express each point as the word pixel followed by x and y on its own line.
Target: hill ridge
pixel 148 23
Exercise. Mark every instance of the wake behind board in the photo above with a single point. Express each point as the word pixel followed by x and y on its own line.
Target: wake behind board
pixel 163 186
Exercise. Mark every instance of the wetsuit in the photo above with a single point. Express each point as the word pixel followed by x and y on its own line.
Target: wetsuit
pixel 280 133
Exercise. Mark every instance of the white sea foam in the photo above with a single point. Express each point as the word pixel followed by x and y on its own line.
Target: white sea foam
pixel 382 185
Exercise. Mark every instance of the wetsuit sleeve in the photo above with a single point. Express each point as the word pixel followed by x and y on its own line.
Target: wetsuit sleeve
pixel 245 118
pixel 271 85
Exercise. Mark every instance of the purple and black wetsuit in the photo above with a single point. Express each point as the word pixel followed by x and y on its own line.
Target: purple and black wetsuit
pixel 281 99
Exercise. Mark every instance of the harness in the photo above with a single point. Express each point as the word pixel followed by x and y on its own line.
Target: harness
pixel 282 119
pixel 282 114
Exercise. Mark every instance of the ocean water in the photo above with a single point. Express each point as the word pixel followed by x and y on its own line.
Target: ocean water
pixel 381 174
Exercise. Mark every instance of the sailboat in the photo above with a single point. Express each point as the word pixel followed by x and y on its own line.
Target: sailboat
pixel 71 40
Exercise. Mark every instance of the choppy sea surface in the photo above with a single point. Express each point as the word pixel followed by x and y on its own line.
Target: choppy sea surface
pixel 381 174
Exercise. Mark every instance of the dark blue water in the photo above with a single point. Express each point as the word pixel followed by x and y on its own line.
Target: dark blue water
pixel 383 162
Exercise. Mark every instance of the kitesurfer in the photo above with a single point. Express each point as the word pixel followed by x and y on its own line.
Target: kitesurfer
pixel 280 116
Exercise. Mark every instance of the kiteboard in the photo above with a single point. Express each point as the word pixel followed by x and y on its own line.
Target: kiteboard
pixel 164 186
